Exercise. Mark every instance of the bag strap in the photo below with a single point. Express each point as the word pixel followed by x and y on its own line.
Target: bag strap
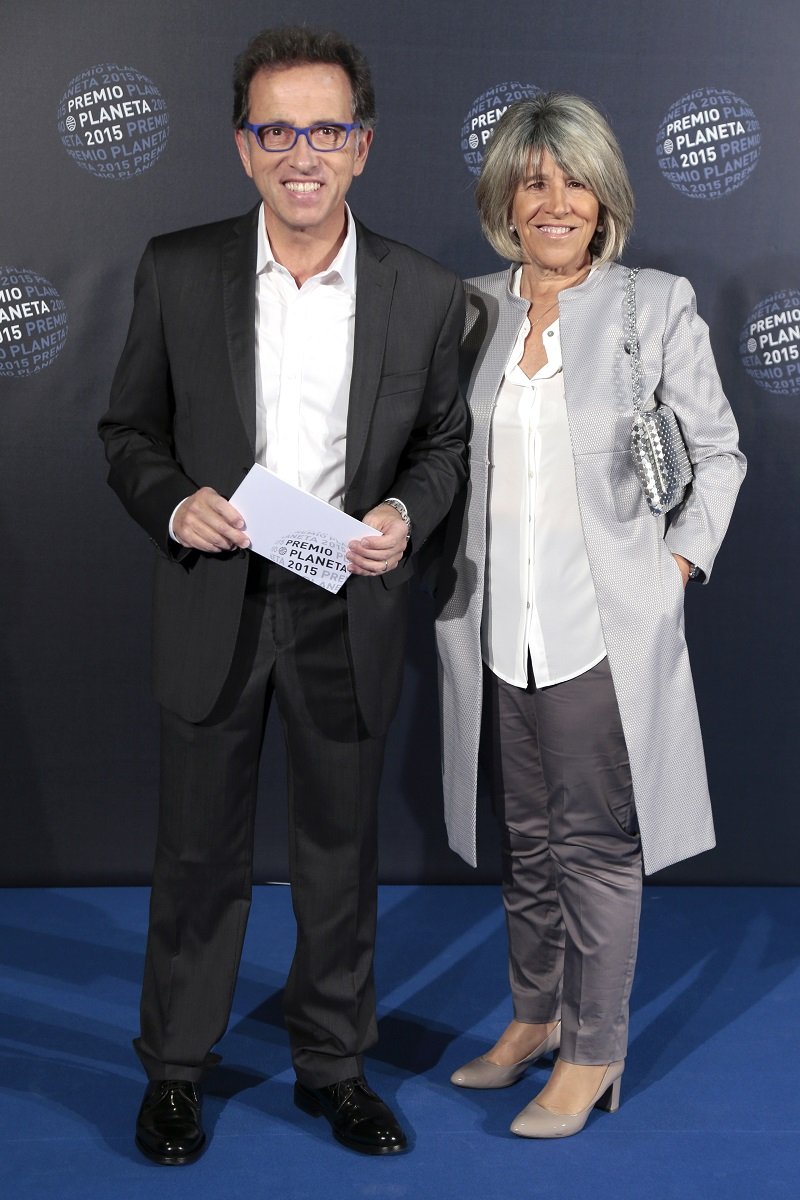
pixel 632 337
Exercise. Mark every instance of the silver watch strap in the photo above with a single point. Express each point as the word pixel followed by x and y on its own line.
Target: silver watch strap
pixel 400 508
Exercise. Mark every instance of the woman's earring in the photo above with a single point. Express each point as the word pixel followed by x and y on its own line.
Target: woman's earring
pixel 512 229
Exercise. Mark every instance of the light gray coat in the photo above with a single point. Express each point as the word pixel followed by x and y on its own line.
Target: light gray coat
pixel 637 582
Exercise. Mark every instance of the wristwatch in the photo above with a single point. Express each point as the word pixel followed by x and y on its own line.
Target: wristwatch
pixel 399 507
pixel 695 572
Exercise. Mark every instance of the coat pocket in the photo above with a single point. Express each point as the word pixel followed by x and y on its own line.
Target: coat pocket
pixel 402 381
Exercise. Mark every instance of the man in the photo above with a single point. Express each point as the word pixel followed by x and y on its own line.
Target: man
pixel 295 337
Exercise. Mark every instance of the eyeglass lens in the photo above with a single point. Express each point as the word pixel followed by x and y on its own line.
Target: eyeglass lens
pixel 321 137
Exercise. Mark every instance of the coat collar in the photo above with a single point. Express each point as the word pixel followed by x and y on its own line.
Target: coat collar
pixel 592 280
pixel 375 282
pixel 239 252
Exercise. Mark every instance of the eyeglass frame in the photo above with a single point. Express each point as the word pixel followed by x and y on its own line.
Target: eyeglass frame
pixel 348 127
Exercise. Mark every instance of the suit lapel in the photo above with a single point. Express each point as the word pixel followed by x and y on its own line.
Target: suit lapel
pixel 375 280
pixel 239 305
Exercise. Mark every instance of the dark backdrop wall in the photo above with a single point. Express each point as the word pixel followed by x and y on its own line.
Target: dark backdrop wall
pixel 115 125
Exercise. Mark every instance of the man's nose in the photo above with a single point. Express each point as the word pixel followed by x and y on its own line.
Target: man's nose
pixel 303 153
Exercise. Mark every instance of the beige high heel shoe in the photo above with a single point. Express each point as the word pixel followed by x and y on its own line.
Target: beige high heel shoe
pixel 480 1073
pixel 536 1121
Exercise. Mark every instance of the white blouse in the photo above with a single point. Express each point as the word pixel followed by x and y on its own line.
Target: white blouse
pixel 539 598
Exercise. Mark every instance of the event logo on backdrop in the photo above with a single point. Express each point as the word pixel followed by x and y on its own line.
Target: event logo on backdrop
pixel 708 143
pixel 770 343
pixel 486 111
pixel 33 322
pixel 113 121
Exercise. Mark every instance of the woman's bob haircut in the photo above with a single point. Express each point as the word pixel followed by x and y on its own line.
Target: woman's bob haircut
pixel 580 142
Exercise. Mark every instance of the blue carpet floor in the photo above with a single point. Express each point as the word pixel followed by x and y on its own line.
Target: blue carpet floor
pixel 709 1099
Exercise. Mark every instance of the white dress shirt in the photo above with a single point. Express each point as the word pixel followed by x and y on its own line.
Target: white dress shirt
pixel 539 595
pixel 304 360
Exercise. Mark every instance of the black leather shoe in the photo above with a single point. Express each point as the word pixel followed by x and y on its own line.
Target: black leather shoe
pixel 358 1117
pixel 168 1128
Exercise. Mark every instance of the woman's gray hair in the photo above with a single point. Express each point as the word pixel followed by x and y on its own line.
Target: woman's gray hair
pixel 580 142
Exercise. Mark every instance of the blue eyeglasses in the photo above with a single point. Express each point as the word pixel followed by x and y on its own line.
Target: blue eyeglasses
pixel 324 136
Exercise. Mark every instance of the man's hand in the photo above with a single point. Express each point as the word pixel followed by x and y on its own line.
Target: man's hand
pixel 206 521
pixel 376 555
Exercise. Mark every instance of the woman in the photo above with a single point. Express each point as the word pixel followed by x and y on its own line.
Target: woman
pixel 570 592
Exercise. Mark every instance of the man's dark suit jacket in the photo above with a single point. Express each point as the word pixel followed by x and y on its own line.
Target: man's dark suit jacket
pixel 183 416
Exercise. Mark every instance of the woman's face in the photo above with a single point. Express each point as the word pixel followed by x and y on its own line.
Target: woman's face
pixel 555 217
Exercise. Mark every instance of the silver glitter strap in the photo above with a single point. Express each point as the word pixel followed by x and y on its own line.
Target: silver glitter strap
pixel 632 337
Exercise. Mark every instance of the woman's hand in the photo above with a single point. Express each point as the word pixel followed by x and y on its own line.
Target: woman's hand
pixel 684 566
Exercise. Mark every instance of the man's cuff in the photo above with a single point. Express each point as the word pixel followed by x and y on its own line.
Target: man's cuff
pixel 170 530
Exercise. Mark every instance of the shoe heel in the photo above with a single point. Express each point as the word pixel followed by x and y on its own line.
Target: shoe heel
pixel 305 1102
pixel 609 1101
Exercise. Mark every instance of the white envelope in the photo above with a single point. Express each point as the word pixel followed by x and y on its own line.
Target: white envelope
pixel 297 530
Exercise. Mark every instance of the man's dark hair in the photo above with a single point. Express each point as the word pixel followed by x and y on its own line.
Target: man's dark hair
pixel 294 46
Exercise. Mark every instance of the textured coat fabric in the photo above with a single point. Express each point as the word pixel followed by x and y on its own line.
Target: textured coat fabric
pixel 183 415
pixel 637 582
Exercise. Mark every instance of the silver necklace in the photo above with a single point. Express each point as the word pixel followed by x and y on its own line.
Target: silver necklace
pixel 542 315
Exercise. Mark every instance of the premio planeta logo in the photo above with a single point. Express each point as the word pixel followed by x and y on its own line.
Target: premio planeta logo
pixel 33 322
pixel 314 556
pixel 708 144
pixel 769 343
pixel 486 111
pixel 113 121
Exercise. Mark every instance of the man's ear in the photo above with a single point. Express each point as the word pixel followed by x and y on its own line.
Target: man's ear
pixel 363 144
pixel 243 146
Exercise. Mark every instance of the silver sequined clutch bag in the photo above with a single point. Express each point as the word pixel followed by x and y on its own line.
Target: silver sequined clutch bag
pixel 657 447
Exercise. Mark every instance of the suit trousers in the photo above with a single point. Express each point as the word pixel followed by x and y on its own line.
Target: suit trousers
pixel 293 643
pixel 572 865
